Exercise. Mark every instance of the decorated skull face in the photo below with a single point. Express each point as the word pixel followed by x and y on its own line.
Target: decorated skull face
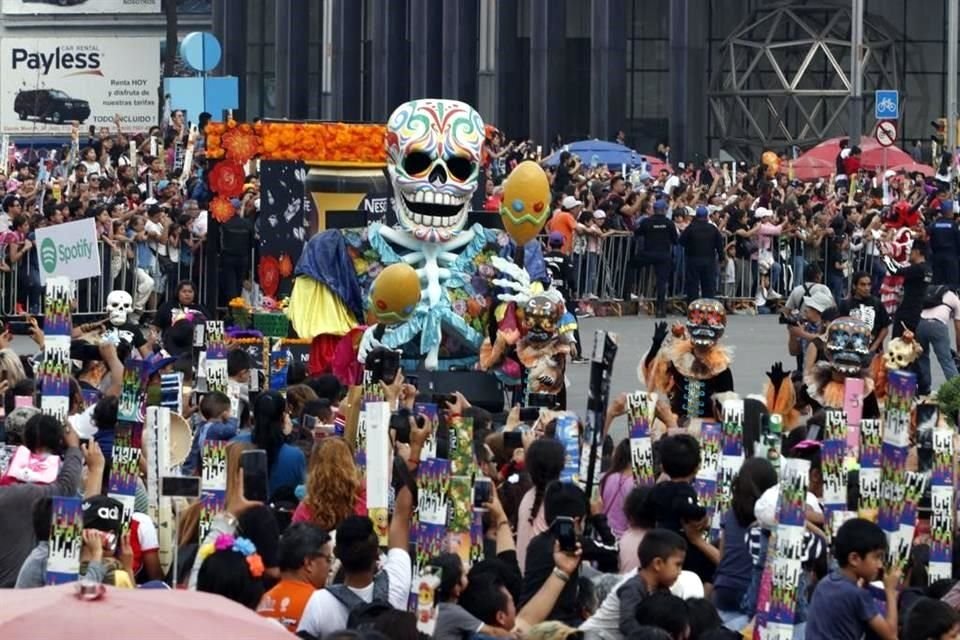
pixel 433 157
pixel 119 305
pixel 706 321
pixel 541 317
pixel 848 345
pixel 901 353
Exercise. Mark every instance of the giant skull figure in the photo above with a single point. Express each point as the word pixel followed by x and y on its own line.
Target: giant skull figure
pixel 433 158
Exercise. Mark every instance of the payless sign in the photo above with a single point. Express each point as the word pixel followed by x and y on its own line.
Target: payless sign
pixel 46 83
pixel 69 249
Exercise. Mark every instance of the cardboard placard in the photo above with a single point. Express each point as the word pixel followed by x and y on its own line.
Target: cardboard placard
pixel 66 540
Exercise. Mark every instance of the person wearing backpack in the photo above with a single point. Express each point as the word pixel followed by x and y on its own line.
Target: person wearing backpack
pixel 365 593
pixel 940 308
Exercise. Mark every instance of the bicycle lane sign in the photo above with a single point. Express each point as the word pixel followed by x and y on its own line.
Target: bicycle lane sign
pixel 886 104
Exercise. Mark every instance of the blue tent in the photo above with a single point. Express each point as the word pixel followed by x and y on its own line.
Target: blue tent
pixel 600 152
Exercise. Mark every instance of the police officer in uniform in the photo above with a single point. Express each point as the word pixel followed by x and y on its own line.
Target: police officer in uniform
pixel 944 241
pixel 703 244
pixel 657 234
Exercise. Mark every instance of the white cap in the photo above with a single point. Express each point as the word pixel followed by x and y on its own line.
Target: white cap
pixel 569 202
pixel 600 213
pixel 763 212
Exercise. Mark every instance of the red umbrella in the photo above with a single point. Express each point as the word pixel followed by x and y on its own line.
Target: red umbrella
pixel 915 167
pixel 872 156
pixel 56 612
pixel 809 168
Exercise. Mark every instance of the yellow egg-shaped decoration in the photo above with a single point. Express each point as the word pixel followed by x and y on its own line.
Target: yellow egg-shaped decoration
pixel 526 202
pixel 394 294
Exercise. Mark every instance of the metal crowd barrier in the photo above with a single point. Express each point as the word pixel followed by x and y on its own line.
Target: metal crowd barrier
pixel 602 272
pixel 21 291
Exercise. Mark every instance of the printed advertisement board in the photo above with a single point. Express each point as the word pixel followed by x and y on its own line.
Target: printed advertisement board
pixel 46 83
pixel 64 7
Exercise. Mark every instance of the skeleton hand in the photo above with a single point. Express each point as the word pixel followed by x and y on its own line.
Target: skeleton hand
pixel 519 282
pixel 546 380
pixel 367 343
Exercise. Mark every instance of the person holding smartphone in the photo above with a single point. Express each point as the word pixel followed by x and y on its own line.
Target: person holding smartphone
pixel 565 508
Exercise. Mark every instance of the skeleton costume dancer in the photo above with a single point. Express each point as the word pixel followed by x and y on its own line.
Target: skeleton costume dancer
pixel 847 354
pixel 691 368
pixel 433 159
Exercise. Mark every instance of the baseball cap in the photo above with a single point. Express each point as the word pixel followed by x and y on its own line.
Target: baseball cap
pixel 555 238
pixel 158 361
pixel 659 204
pixel 762 212
pixel 818 301
pixel 600 213
pixel 103 514
pixel 702 212
pixel 569 202
pixel 163 184
pixel 151 201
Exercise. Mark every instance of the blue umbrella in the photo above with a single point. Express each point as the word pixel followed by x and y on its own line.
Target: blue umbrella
pixel 599 152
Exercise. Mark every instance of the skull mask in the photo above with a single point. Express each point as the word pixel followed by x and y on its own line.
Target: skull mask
pixel 541 315
pixel 706 322
pixel 901 353
pixel 119 305
pixel 433 157
pixel 848 345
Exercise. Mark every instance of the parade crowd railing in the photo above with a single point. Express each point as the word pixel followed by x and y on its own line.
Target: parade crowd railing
pixel 602 271
pixel 21 291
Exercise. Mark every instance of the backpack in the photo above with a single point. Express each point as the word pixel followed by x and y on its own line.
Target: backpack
pixel 934 297
pixel 363 615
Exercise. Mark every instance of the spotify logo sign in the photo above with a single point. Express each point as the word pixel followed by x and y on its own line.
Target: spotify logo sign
pixel 69 250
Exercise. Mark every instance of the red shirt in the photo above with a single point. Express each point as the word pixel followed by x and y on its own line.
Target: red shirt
pixel 851 165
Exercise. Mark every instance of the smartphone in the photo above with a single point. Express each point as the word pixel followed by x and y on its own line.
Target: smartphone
pixel 565 532
pixel 180 486
pixel 254 465
pixel 441 399
pixel 412 380
pixel 322 431
pixel 529 414
pixel 482 493
pixel 512 440
pixel 18 328
pixel 383 364
pixel 548 400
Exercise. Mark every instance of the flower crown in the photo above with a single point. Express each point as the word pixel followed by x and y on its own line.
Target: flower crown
pixel 226 542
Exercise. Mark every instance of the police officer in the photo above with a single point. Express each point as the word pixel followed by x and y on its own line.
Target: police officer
pixel 703 244
pixel 944 241
pixel 657 234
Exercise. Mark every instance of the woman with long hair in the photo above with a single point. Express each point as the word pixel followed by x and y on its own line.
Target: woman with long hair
pixel 544 461
pixel 615 484
pixel 732 578
pixel 286 464
pixel 334 487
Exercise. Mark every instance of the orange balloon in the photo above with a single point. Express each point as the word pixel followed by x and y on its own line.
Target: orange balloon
pixel 526 202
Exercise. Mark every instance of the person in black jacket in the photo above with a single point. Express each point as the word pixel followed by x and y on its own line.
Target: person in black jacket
pixel 657 234
pixel 567 500
pixel 703 243
pixel 236 246
pixel 944 237
pixel 916 277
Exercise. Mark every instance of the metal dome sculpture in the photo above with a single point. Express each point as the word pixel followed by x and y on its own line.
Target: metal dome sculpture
pixel 783 76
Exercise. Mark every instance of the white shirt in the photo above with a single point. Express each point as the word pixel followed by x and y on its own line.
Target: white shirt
pixel 947 310
pixel 325 614
pixel 152 228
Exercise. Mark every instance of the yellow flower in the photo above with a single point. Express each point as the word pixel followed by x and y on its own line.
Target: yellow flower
pixel 205 550
pixel 237 303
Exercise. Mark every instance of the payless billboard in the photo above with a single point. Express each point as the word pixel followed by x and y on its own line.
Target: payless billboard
pixel 47 83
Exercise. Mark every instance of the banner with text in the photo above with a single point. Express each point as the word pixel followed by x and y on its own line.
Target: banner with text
pixel 69 249
pixel 66 7
pixel 47 83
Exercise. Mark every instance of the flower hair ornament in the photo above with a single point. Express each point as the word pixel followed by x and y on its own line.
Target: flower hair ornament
pixel 243 546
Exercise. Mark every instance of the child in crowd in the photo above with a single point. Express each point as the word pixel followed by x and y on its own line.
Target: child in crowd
pixel 676 506
pixel 218 425
pixel 638 509
pixel 38 462
pixel 841 608
pixel 661 555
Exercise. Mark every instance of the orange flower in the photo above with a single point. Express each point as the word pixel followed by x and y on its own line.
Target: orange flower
pixel 221 209
pixel 227 179
pixel 240 144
